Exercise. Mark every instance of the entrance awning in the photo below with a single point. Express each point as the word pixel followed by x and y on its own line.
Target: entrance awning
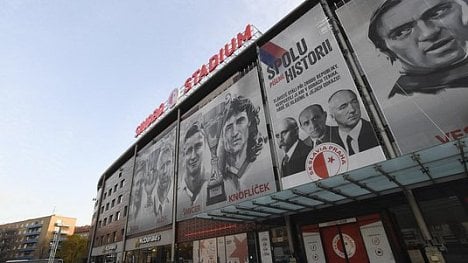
pixel 442 163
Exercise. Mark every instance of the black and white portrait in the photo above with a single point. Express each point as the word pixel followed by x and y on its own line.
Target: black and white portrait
pixel 224 154
pixel 415 56
pixel 152 194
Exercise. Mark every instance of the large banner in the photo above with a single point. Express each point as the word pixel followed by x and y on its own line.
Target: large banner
pixel 224 154
pixel 237 250
pixel 208 250
pixel 321 126
pixel 152 191
pixel 414 54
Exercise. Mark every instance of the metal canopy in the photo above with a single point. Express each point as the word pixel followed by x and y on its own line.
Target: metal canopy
pixel 442 163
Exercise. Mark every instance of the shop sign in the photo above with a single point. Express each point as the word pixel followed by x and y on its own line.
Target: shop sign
pixel 148 239
pixel 110 247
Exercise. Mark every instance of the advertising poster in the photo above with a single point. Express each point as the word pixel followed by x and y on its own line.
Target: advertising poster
pixel 196 251
pixel 313 244
pixel 151 196
pixel 208 251
pixel 221 250
pixel 320 124
pixel 236 248
pixel 265 247
pixel 376 242
pixel 224 154
pixel 414 54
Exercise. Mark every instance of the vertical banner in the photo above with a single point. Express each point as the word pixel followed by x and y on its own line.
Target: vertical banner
pixel 313 244
pixel 415 56
pixel 221 250
pixel 376 241
pixel 151 196
pixel 224 154
pixel 319 120
pixel 265 247
pixel 196 251
pixel 333 245
pixel 237 249
pixel 208 251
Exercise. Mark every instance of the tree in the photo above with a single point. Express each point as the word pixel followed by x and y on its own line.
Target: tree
pixel 73 250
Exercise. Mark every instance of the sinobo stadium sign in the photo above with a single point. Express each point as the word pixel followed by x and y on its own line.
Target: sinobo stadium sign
pixel 194 81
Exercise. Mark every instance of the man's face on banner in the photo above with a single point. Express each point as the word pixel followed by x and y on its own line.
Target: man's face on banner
pixel 312 121
pixel 165 169
pixel 426 35
pixel 236 132
pixel 193 152
pixel 139 180
pixel 287 136
pixel 345 109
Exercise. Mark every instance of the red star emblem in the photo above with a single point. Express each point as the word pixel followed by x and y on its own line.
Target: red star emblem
pixel 241 251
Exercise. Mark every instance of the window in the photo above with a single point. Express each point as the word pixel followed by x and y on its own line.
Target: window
pixel 115 188
pixel 110 218
pixel 117 216
pixel 107 206
pixel 119 200
pixel 125 210
pixel 102 209
pixel 122 183
pixel 105 222
pixel 110 191
pixel 120 174
pixel 114 235
pixel 105 194
pixel 108 238
pixel 113 203
pixel 99 223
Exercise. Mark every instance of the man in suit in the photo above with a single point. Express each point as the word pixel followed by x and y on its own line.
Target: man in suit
pixel 353 133
pixel 295 150
pixel 312 121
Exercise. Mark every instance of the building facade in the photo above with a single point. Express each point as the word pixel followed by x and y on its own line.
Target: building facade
pixel 31 239
pixel 337 136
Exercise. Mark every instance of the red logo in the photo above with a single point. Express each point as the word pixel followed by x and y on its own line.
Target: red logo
pixel 325 160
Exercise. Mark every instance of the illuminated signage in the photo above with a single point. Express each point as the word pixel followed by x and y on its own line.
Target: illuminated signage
pixel 149 239
pixel 195 80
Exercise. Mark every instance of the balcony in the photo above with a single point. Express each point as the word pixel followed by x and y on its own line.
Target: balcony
pixel 33 233
pixel 26 249
pixel 31 240
pixel 35 225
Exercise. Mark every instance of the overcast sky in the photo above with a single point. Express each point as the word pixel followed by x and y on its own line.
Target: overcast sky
pixel 77 77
